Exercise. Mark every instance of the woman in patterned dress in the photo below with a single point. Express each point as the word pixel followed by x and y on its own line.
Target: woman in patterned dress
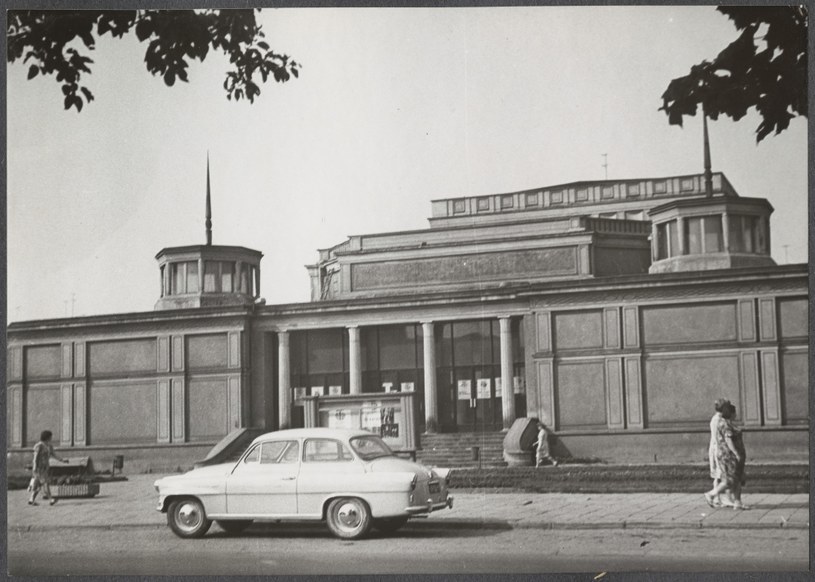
pixel 730 457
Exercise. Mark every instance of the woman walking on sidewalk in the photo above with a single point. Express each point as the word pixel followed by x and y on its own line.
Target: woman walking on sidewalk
pixel 40 467
pixel 715 472
pixel 730 457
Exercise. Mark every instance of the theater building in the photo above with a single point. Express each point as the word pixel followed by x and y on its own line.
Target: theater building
pixel 618 311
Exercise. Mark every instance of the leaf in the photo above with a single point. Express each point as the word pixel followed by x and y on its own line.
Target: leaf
pixel 33 71
pixel 296 73
pixel 169 78
pixel 87 93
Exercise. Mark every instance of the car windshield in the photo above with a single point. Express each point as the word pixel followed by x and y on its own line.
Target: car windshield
pixel 370 447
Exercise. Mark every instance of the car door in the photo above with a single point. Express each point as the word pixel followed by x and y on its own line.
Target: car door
pixel 264 483
pixel 327 467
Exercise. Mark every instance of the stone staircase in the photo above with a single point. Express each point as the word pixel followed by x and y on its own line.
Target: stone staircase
pixel 456 450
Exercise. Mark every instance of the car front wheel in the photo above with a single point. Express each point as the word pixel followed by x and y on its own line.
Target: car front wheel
pixel 348 518
pixel 187 518
pixel 389 524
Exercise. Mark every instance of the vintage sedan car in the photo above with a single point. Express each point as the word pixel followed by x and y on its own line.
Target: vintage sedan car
pixel 350 479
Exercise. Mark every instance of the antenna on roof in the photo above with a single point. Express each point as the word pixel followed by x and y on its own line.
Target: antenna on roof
pixel 605 164
pixel 208 222
pixel 708 172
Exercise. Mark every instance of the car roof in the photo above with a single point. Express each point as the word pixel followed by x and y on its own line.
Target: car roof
pixel 297 433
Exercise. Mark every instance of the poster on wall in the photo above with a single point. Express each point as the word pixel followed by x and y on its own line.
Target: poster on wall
pixel 464 389
pixel 334 390
pixel 483 388
pixel 498 390
pixel 387 386
pixel 518 384
pixel 407 386
pixel 317 390
pixel 340 418
pixel 371 416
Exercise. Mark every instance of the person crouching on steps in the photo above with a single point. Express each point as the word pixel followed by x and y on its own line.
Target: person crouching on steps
pixel 43 451
pixel 543 446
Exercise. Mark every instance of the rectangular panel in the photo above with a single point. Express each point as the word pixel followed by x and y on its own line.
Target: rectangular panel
pixel 116 357
pixel 207 351
pixel 544 331
pixel 80 412
pixel 747 328
pixel 234 349
pixel 234 402
pixel 15 414
pixel 633 392
pixel 772 396
pixel 164 354
pixel 689 323
pixel 752 398
pixel 793 316
pixel 79 359
pixel 43 362
pixel 546 393
pixel 631 335
pixel 766 315
pixel 612 327
pixel 614 392
pixel 578 329
pixel 163 411
pixel 67 432
pixel 179 410
pixel 208 413
pixel 178 353
pixel 123 412
pixel 15 356
pixel 43 411
pixel 581 395
pixel 795 372
pixel 67 360
pixel 680 390
pixel 465 268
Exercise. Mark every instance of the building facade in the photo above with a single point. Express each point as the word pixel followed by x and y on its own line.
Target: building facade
pixel 617 311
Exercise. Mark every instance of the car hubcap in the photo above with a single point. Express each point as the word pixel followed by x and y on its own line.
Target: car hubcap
pixel 348 515
pixel 189 516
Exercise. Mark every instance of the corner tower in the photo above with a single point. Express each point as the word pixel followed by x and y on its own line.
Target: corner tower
pixel 208 275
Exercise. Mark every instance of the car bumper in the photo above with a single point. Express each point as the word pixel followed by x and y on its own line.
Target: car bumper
pixel 430 506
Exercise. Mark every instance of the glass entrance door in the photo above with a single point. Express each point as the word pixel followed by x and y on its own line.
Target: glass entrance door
pixel 473 403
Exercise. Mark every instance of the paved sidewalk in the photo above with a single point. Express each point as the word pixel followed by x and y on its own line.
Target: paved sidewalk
pixel 132 503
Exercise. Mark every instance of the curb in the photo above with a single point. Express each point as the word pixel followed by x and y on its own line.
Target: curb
pixel 476 524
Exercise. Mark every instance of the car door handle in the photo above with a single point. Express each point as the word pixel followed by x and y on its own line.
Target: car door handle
pixel 288 478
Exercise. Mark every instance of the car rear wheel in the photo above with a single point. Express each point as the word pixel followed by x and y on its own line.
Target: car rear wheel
pixel 234 526
pixel 187 518
pixel 348 518
pixel 389 524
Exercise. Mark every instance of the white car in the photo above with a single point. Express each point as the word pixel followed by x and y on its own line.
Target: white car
pixel 349 478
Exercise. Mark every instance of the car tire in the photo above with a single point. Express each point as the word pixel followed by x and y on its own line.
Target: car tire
pixel 234 526
pixel 389 525
pixel 348 518
pixel 187 518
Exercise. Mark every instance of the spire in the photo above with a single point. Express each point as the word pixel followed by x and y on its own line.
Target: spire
pixel 208 222
pixel 708 172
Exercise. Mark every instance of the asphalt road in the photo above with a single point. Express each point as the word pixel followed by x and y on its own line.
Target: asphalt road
pixel 420 547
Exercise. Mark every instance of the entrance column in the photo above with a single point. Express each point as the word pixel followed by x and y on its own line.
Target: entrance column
pixel 431 412
pixel 355 363
pixel 283 380
pixel 507 388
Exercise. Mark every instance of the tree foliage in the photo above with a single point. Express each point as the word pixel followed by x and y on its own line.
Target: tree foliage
pixel 57 43
pixel 765 68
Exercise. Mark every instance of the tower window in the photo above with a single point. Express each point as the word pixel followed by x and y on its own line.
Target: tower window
pixel 184 277
pixel 219 276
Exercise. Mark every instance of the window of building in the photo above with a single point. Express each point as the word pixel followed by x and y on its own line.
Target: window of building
pixel 218 276
pixel 483 204
pixel 607 192
pixel 161 273
pixel 703 234
pixel 557 197
pixel 582 194
pixel 507 202
pixel 459 207
pixel 743 233
pixel 184 277
pixel 667 240
pixel 532 199
pixel 660 187
pixel 633 190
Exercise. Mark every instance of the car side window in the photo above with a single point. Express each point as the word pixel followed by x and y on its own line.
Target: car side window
pixel 253 455
pixel 275 452
pixel 325 451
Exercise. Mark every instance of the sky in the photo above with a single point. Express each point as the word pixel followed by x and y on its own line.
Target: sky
pixel 394 107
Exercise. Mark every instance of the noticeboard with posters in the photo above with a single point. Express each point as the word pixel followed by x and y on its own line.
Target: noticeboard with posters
pixel 389 415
